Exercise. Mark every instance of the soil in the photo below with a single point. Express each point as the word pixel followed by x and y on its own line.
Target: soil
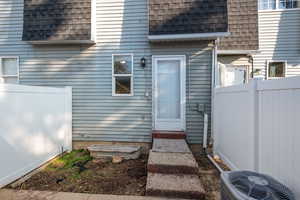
pixel 77 172
pixel 210 178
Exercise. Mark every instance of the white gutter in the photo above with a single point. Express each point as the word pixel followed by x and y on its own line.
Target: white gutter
pixel 192 36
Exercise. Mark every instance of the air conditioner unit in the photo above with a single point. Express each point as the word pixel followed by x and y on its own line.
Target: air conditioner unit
pixel 247 185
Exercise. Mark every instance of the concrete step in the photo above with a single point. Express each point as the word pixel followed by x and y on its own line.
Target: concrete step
pixel 170 146
pixel 104 151
pixel 174 186
pixel 172 163
pixel 169 134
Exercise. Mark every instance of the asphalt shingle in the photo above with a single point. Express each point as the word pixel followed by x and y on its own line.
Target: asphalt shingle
pixel 57 20
pixel 243 26
pixel 187 16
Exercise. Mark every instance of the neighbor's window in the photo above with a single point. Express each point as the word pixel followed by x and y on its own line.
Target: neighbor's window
pixel 9 70
pixel 122 75
pixel 278 4
pixel 276 69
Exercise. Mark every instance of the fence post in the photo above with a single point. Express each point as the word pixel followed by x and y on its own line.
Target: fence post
pixel 68 116
pixel 256 121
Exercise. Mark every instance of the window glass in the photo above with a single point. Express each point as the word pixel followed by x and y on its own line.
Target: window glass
pixel 9 70
pixel 10 80
pixel 276 69
pixel 122 64
pixel 267 4
pixel 123 85
pixel 9 66
pixel 287 4
pixel 278 4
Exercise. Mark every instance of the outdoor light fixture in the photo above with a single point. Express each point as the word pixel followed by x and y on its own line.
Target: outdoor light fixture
pixel 143 62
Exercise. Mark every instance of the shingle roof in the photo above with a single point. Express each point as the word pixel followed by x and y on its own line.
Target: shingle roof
pixel 243 26
pixel 57 20
pixel 187 16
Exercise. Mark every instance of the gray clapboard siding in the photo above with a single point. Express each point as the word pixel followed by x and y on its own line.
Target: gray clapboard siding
pixel 122 27
pixel 279 39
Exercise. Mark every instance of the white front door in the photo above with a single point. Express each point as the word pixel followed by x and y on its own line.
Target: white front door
pixel 169 93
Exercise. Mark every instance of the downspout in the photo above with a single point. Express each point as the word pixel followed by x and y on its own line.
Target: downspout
pixel 213 84
pixel 252 65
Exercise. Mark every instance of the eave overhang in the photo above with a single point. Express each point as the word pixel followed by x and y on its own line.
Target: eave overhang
pixel 238 52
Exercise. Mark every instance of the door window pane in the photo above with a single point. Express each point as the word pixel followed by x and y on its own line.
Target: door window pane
pixel 122 64
pixel 168 86
pixel 123 85
pixel 9 66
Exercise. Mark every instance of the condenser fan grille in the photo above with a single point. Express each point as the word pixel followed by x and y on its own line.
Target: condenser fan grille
pixel 258 186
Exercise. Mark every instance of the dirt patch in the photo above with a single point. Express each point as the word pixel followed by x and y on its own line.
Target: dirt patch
pixel 77 172
pixel 210 178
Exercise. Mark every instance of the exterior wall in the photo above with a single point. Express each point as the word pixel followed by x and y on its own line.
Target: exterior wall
pixel 122 27
pixel 242 24
pixel 279 39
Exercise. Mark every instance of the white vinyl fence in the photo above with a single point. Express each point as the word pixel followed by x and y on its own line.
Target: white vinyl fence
pixel 35 126
pixel 257 127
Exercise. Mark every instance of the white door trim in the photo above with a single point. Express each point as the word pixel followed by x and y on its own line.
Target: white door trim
pixel 182 59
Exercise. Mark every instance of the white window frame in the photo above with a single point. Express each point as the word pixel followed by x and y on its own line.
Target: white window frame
pixel 277 4
pixel 272 61
pixel 122 75
pixel 10 76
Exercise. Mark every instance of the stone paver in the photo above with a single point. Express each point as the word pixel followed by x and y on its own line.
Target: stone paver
pixel 180 186
pixel 170 146
pixel 172 163
pixel 125 152
pixel 46 195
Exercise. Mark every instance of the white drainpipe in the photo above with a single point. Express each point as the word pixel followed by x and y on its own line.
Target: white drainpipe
pixel 213 74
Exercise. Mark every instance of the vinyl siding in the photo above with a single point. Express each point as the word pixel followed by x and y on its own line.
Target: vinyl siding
pixel 279 39
pixel 121 27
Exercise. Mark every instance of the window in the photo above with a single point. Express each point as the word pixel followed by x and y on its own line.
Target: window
pixel 276 69
pixel 232 74
pixel 9 70
pixel 278 4
pixel 122 75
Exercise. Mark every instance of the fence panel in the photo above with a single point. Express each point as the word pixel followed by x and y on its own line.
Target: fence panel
pixel 279 136
pixel 36 123
pixel 256 127
pixel 234 125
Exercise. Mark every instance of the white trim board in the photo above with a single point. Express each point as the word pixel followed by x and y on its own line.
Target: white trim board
pixel 192 36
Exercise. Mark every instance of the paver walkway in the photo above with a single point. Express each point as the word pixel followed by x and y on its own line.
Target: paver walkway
pixel 173 171
pixel 46 195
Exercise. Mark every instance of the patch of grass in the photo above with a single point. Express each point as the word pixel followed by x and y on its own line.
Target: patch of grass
pixel 69 160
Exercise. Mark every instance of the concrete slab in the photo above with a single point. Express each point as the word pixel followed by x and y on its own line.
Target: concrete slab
pixel 175 186
pixel 125 152
pixel 172 163
pixel 170 146
pixel 47 195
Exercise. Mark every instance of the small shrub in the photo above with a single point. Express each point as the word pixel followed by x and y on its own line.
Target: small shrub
pixel 69 160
